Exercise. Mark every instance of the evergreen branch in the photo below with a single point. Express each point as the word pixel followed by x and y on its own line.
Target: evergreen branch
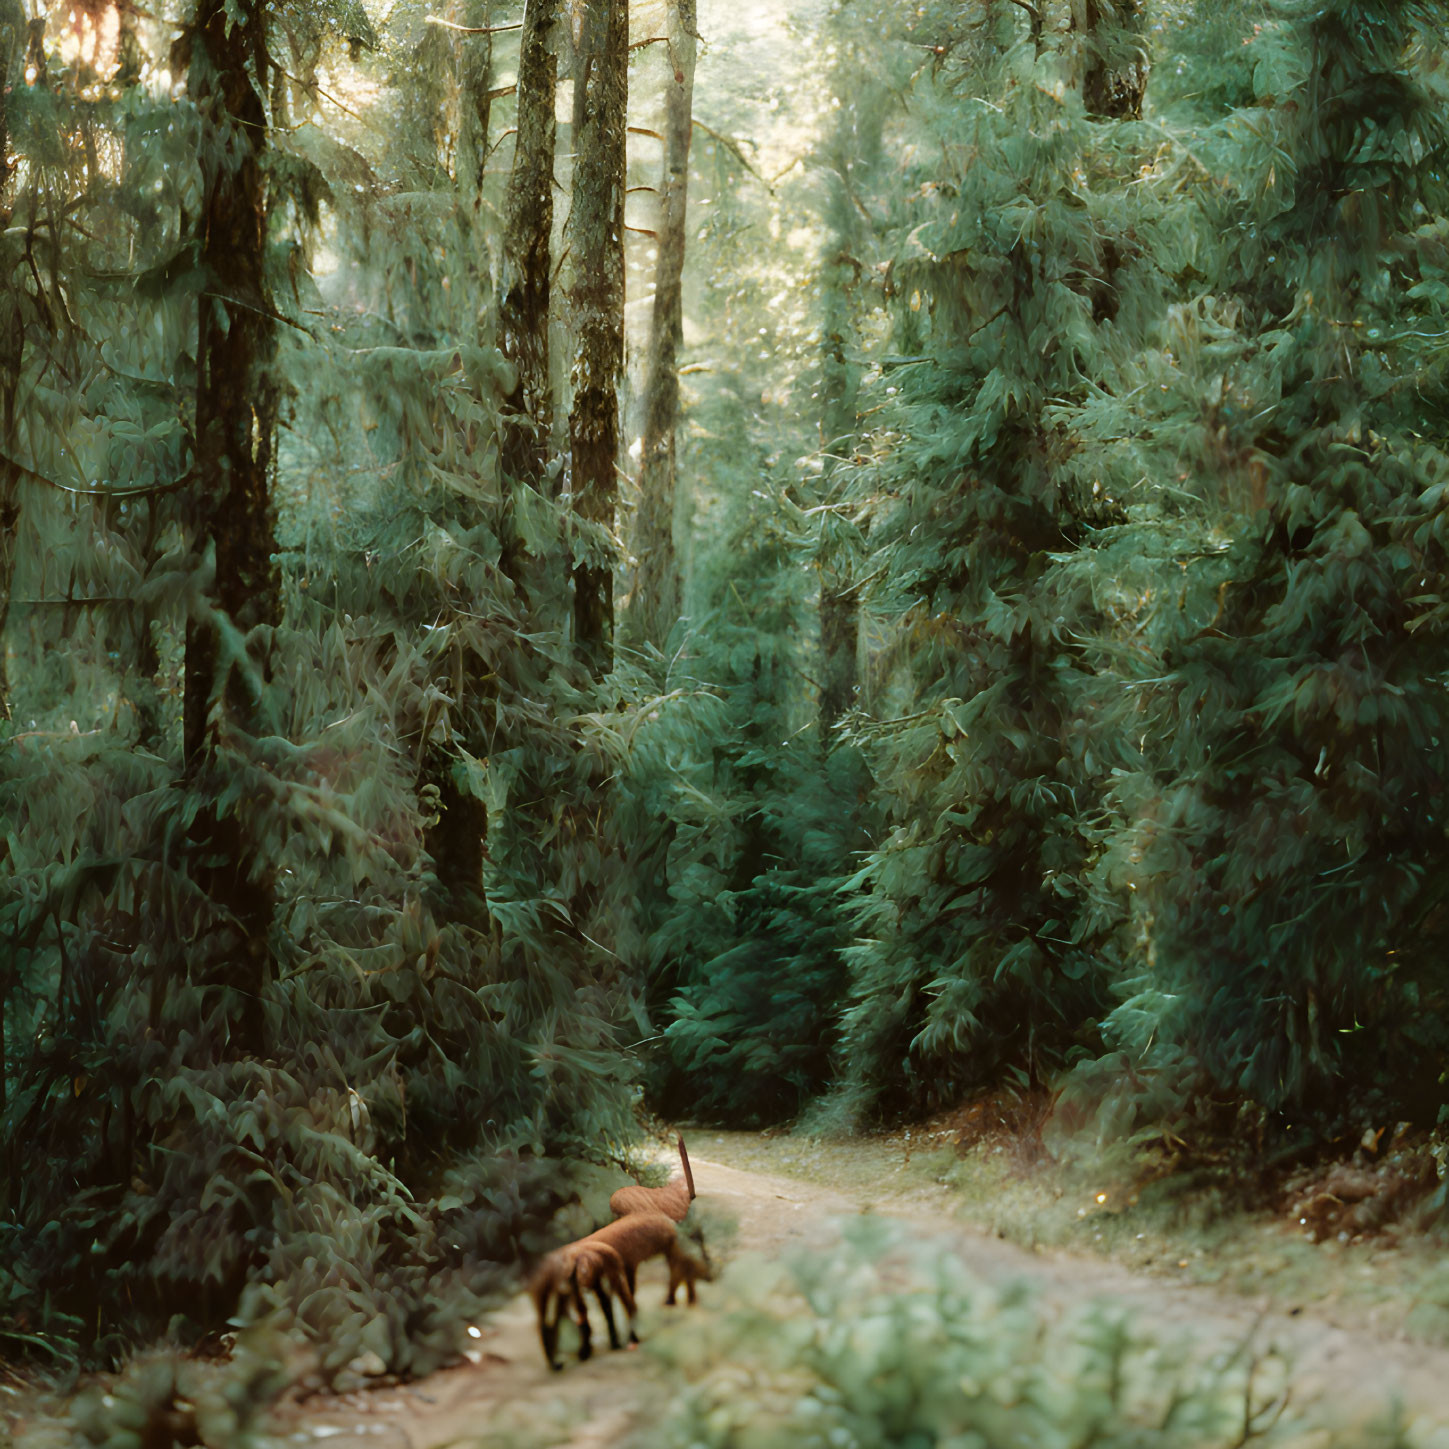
pixel 139 491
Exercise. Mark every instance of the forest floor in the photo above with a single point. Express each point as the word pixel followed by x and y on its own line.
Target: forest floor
pixel 1344 1323
pixel 1340 1316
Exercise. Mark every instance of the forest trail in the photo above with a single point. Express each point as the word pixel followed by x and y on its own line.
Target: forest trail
pixel 1339 1376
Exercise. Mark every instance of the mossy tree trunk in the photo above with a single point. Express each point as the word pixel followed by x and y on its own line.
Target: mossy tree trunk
pixel 229 508
pixel 459 826
pixel 12 347
pixel 655 593
pixel 839 597
pixel 596 242
pixel 525 273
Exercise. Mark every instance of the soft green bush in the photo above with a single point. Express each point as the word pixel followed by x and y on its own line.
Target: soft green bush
pixel 888 1339
pixel 163 1399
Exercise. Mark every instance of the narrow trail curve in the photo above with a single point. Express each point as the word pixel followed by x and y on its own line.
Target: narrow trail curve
pixel 1340 1376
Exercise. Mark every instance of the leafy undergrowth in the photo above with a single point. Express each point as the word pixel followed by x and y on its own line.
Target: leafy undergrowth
pixel 890 1339
pixel 1353 1235
pixel 162 1399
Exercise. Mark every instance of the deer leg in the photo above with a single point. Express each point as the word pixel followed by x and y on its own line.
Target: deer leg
pixel 607 1304
pixel 586 1332
pixel 548 1331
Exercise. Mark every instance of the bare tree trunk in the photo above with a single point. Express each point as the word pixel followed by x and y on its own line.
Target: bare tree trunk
pixel 9 528
pixel 839 637
pixel 596 239
pixel 655 594
pixel 839 612
pixel 853 150
pixel 13 30
pixel 475 81
pixel 1115 79
pixel 455 839
pixel 523 288
pixel 230 505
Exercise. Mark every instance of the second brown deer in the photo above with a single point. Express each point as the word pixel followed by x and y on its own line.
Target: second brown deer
pixel 639 1236
pixel 673 1199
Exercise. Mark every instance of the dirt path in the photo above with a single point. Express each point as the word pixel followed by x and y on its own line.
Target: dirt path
pixel 510 1396
pixel 1341 1376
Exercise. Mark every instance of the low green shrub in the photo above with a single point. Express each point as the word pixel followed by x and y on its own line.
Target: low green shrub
pixel 892 1339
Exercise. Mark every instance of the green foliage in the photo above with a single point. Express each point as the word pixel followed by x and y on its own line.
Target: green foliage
pixel 885 1339
pixel 730 792
pixel 981 944
pixel 1280 834
pixel 1151 484
pixel 734 820
pixel 358 1144
pixel 163 1399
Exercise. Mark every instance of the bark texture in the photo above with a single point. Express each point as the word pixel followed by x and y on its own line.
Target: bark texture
pixel 524 273
pixel 475 80
pixel 654 597
pixel 230 507
pixel 596 242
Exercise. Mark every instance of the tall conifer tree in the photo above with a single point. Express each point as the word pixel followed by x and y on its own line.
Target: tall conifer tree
pixel 1283 838
pixel 525 271
pixel 228 640
pixel 654 595
pixel 595 239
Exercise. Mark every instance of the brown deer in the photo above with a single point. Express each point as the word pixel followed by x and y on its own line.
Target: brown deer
pixel 642 1235
pixel 560 1282
pixel 673 1199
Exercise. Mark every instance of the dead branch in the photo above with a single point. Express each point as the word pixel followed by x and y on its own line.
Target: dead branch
pixel 471 29
pixel 733 147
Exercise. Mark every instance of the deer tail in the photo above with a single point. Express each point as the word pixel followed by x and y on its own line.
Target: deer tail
pixel 684 1160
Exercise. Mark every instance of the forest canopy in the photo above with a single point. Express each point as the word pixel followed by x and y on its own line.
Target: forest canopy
pixel 527 589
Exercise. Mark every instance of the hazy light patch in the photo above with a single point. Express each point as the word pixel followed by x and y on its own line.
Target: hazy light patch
pixel 91 36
